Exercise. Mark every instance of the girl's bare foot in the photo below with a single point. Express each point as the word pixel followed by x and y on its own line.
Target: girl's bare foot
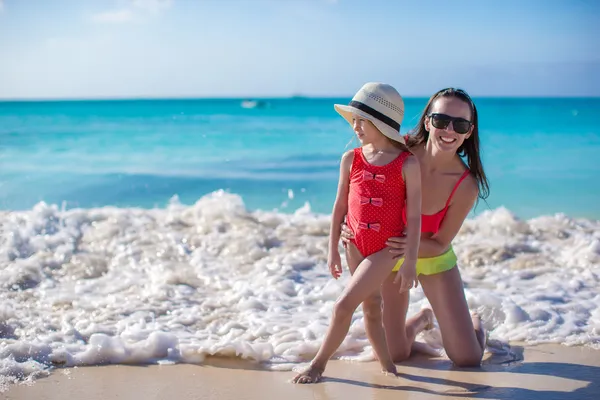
pixel 390 370
pixel 311 374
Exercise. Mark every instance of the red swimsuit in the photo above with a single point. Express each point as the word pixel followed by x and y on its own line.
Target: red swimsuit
pixel 376 202
pixel 432 222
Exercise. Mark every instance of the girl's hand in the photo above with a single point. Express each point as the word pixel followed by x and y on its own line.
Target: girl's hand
pixel 407 276
pixel 347 235
pixel 334 261
pixel 397 246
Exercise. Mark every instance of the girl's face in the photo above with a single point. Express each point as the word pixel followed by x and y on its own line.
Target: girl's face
pixel 449 123
pixel 365 131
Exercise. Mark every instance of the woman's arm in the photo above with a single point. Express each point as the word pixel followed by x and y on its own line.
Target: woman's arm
pixel 457 212
pixel 438 244
pixel 412 177
pixel 340 206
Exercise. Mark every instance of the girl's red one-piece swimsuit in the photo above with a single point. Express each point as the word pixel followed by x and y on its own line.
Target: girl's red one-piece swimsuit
pixel 376 201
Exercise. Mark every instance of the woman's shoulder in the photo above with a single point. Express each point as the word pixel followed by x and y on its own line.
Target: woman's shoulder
pixel 409 158
pixel 468 188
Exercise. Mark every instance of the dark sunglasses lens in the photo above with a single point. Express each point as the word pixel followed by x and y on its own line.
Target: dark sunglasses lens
pixel 461 126
pixel 440 121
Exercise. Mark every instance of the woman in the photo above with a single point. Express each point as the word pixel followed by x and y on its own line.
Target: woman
pixel 447 131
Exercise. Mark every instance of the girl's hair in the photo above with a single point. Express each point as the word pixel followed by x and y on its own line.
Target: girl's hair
pixel 395 143
pixel 398 145
pixel 469 148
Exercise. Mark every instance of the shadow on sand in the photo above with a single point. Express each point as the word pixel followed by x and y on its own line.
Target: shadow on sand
pixel 511 361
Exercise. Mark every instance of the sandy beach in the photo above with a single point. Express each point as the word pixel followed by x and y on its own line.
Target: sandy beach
pixel 526 372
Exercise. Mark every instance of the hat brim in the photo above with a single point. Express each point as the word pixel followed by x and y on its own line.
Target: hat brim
pixel 347 113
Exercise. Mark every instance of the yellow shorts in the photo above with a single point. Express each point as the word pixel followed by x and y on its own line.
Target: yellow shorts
pixel 432 265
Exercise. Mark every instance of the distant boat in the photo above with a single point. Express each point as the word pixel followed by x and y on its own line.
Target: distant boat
pixel 254 104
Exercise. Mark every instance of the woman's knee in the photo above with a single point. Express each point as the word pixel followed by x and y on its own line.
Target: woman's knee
pixel 471 360
pixel 400 352
pixel 447 298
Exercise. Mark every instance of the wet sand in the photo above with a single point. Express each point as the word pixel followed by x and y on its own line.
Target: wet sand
pixel 525 373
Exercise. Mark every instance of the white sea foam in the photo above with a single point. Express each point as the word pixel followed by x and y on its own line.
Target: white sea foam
pixel 126 285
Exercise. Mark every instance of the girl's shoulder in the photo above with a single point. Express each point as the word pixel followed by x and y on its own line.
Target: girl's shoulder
pixel 411 162
pixel 349 154
pixel 348 159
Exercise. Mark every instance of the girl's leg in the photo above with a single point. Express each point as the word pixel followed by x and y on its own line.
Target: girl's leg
pixel 399 332
pixel 463 336
pixel 366 280
pixel 372 314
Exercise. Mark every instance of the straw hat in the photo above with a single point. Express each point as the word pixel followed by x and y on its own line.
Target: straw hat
pixel 379 103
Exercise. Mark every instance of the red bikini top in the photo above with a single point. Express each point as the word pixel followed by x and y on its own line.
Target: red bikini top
pixel 431 222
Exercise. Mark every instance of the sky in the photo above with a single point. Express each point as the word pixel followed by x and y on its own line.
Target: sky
pixel 254 48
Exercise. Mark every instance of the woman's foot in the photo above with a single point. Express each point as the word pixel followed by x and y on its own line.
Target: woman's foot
pixel 427 315
pixel 311 374
pixel 480 331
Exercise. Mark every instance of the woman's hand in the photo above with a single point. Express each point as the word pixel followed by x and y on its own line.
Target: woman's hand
pixel 396 244
pixel 346 235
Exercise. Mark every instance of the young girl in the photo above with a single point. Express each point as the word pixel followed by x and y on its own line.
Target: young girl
pixel 378 182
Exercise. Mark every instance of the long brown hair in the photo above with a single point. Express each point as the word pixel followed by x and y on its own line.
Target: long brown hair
pixel 469 148
pixel 398 145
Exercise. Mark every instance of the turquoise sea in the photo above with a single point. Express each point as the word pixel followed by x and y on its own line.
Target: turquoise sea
pixel 541 154
pixel 167 231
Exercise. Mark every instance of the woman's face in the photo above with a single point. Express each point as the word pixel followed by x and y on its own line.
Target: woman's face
pixel 449 123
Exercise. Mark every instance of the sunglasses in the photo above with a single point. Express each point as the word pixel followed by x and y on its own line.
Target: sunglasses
pixel 441 121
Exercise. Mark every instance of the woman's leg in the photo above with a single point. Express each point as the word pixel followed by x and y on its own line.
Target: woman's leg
pixel 365 281
pixel 463 336
pixel 399 332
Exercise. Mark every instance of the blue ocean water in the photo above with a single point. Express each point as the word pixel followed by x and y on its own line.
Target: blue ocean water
pixel 128 283
pixel 541 155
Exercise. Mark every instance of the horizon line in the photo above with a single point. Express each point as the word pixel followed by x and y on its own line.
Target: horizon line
pixel 281 97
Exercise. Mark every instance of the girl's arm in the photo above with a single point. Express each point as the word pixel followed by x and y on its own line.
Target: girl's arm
pixel 461 205
pixel 411 172
pixel 340 207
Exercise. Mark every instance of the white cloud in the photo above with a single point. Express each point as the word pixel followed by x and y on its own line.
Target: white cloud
pixel 1 5
pixel 114 17
pixel 137 9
